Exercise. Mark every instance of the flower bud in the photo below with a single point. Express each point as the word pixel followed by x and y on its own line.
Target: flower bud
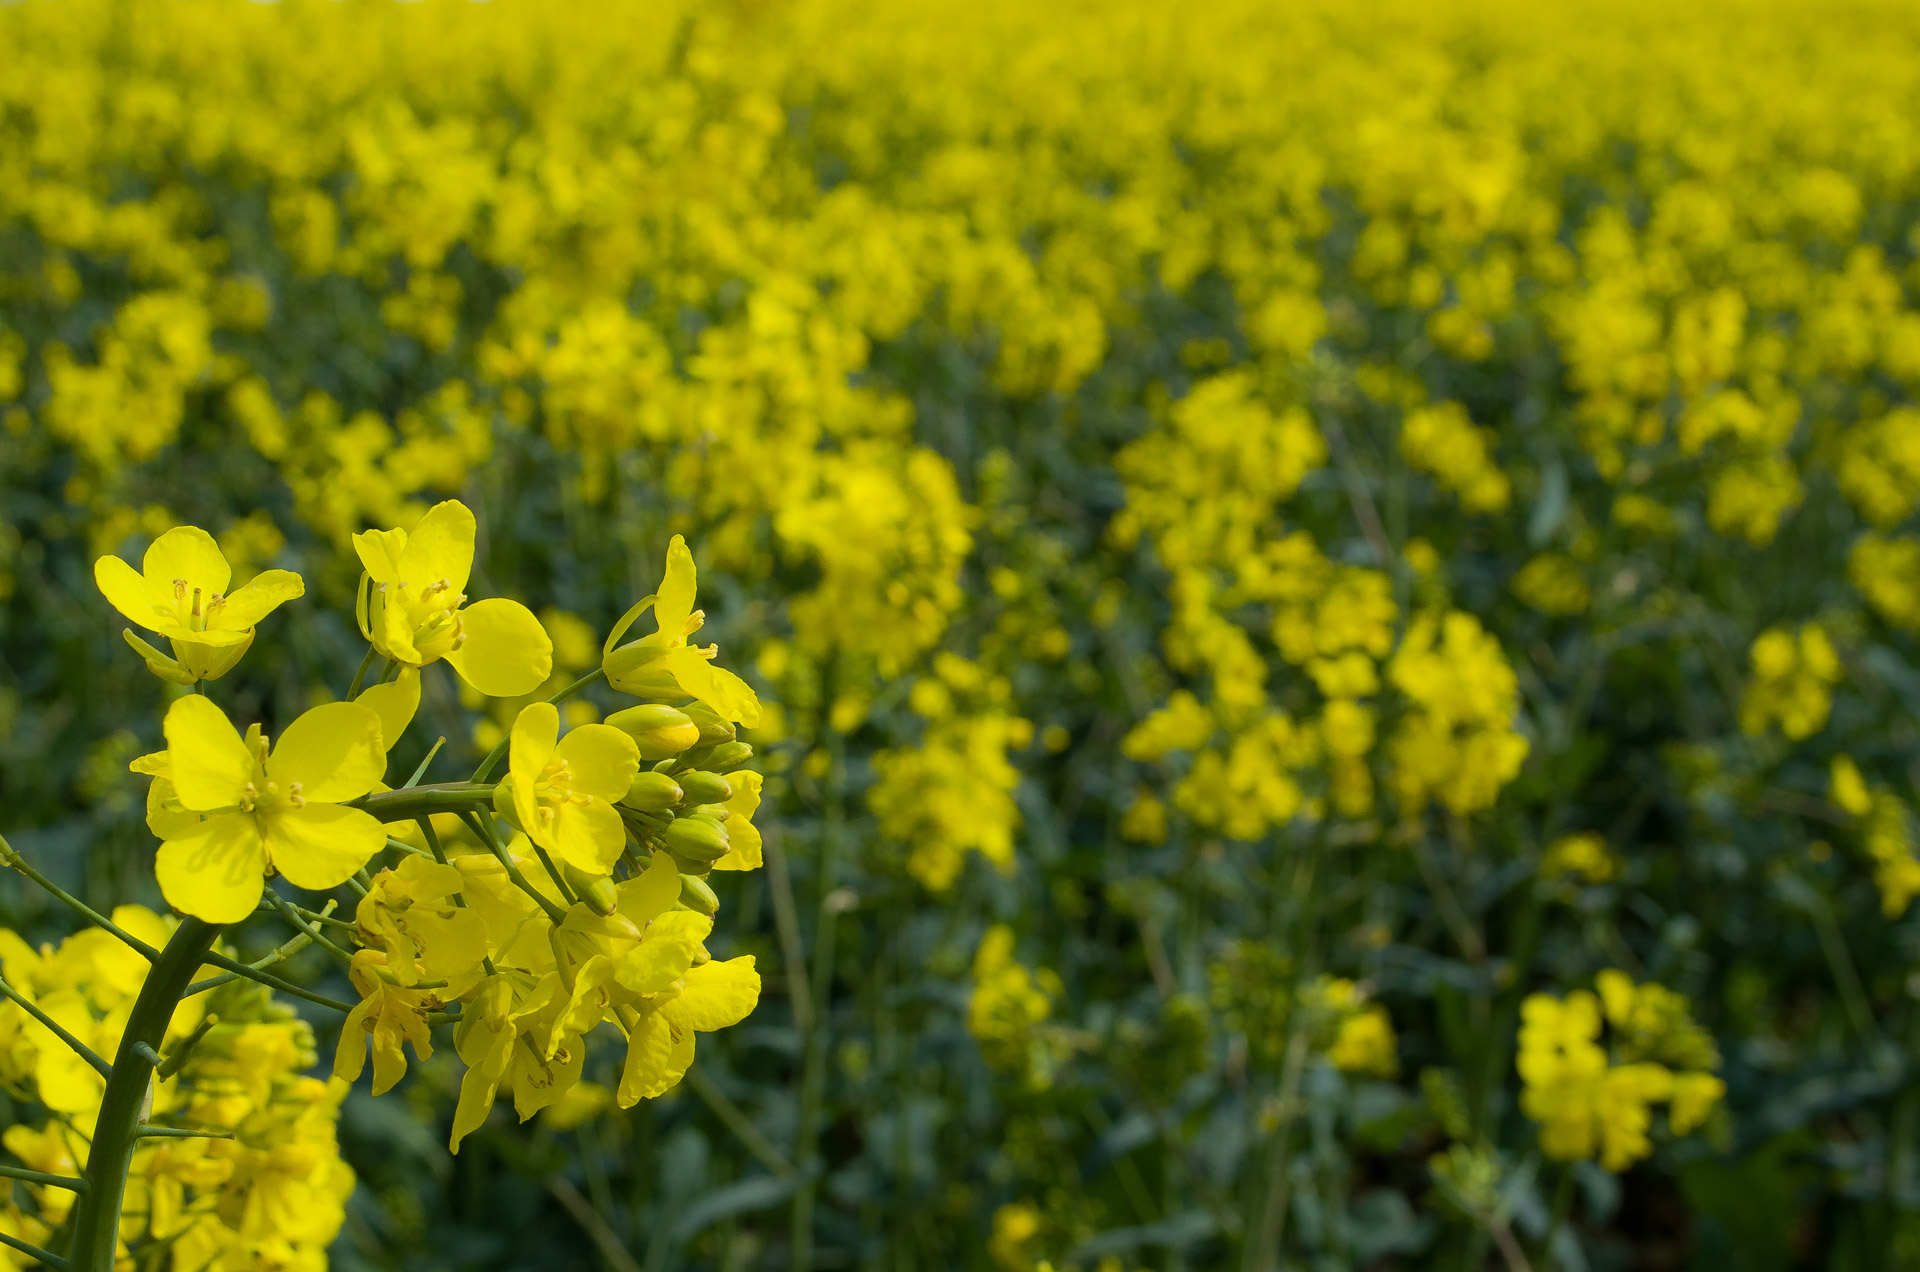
pixel 710 812
pixel 503 805
pixel 713 730
pixel 698 838
pixel 596 890
pixel 702 787
pixel 690 866
pixel 696 895
pixel 660 732
pixel 652 792
pixel 729 756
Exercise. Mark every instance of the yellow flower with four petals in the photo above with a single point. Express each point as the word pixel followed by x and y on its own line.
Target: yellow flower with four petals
pixel 413 607
pixel 180 592
pixel 280 811
pixel 561 790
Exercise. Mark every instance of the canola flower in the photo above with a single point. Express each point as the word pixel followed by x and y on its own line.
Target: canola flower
pixel 180 592
pixel 1596 1103
pixel 270 1193
pixel 413 607
pixel 611 932
pixel 265 812
pixel 688 289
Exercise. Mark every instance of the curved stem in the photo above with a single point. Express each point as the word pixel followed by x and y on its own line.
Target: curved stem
pixel 119 1126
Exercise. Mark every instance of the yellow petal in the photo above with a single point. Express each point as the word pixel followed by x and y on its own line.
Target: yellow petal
pixel 211 765
pixel 743 837
pixel 535 731
pixel 719 688
pixel 602 758
pixel 159 664
pixel 507 653
pixel 394 636
pixel 321 845
pixel 186 553
pixel 350 1055
pixel 716 995
pixel 589 836
pixel 380 552
pixel 127 591
pixel 477 1089
pixel 260 598
pixel 208 655
pixel 652 893
pixel 333 751
pixel 440 548
pixel 395 703
pixel 675 602
pixel 214 873
pixel 648 1068
pixel 665 955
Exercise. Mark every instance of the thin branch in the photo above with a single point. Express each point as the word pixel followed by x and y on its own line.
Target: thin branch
pixel 42 1178
pixel 736 1121
pixel 314 934
pixel 596 1228
pixel 33 1252
pixel 78 1047
pixel 9 857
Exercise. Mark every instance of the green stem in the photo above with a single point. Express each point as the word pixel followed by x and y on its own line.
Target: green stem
pixel 360 676
pixel 412 802
pixel 74 1045
pixel 115 1133
pixel 814 1075
pixel 42 1178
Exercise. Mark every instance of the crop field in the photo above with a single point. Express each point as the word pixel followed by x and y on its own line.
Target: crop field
pixel 915 636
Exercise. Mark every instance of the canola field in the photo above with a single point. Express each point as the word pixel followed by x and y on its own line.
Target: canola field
pixel 1325 600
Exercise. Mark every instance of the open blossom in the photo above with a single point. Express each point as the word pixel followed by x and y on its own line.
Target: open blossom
pixel 413 607
pixel 561 790
pixel 180 592
pixel 663 665
pixel 267 811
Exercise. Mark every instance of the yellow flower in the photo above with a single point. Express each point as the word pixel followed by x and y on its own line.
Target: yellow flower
pixel 267 812
pixel 663 665
pixel 387 1017
pixel 562 789
pixel 413 607
pixel 180 593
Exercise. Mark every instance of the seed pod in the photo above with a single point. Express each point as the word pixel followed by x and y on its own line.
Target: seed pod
pixel 702 787
pixel 698 838
pixel 696 895
pixel 596 890
pixel 653 792
pixel 729 756
pixel 660 732
pixel 713 730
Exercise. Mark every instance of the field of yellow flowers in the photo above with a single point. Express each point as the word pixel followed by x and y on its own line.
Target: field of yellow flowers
pixel 1333 593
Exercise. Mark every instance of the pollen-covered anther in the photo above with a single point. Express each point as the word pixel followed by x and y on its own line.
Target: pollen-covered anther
pixel 295 797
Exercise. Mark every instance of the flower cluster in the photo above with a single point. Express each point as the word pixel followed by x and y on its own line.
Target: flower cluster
pixel 1596 1103
pixel 1793 678
pixel 256 1180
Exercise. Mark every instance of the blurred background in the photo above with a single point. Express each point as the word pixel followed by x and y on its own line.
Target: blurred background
pixel 1288 548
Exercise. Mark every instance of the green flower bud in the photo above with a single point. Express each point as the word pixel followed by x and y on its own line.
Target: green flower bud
pixel 729 756
pixel 713 730
pixel 653 792
pixel 660 732
pixel 689 866
pixel 702 787
pixel 710 812
pixel 596 890
pixel 697 837
pixel 503 805
pixel 696 895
